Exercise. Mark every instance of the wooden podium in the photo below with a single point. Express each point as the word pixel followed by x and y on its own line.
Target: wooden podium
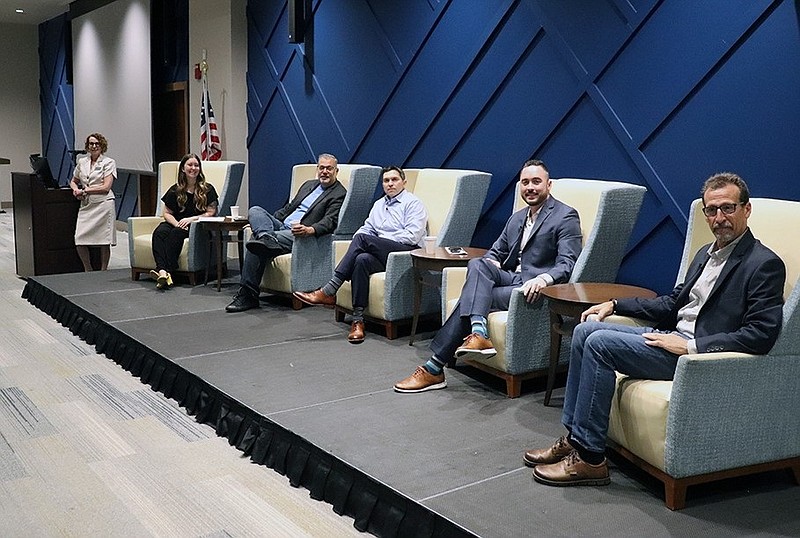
pixel 44 227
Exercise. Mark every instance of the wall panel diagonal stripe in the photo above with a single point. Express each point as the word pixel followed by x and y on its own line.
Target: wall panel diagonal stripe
pixel 660 93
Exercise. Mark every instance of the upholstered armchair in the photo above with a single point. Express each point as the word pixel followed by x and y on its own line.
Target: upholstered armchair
pixel 521 335
pixel 453 199
pixel 226 176
pixel 310 264
pixel 724 414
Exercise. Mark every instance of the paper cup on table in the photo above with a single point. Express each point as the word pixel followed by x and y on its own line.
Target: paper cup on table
pixel 235 211
pixel 430 244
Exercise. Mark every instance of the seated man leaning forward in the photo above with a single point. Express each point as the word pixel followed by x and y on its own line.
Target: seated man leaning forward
pixel 314 211
pixel 538 247
pixel 731 300
pixel 396 222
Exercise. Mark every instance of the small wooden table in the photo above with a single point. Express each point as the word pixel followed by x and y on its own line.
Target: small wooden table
pixel 217 228
pixel 569 301
pixel 437 261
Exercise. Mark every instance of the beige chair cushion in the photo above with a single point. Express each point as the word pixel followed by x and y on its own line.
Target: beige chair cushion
pixel 639 417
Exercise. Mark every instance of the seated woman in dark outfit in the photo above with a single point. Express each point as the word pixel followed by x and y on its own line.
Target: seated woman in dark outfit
pixel 184 203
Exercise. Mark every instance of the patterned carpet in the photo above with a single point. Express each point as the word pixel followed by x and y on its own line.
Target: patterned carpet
pixel 87 450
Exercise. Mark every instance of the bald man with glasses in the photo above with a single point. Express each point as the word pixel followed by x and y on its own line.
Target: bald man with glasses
pixel 731 300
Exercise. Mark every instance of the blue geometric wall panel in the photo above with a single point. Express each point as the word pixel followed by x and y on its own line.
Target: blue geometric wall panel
pixel 660 93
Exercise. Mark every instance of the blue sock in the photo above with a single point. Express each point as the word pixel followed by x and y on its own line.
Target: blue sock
pixel 479 325
pixel 434 365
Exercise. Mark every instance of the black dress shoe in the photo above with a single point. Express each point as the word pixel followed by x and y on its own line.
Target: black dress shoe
pixel 265 246
pixel 243 300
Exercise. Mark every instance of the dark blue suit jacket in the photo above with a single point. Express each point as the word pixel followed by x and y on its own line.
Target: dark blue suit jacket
pixel 744 311
pixel 554 245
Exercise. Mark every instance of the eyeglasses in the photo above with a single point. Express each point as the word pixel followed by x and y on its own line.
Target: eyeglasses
pixel 90 144
pixel 727 209
pixel 326 168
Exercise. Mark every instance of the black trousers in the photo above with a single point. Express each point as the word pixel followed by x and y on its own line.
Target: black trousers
pixel 366 255
pixel 167 245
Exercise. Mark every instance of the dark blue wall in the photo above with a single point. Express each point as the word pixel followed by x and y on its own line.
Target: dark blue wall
pixel 658 93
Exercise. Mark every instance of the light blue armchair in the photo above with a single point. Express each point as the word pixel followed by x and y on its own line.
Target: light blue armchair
pixel 521 335
pixel 454 199
pixel 724 414
pixel 226 176
pixel 310 264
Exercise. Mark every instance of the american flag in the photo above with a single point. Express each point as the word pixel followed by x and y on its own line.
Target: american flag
pixel 210 146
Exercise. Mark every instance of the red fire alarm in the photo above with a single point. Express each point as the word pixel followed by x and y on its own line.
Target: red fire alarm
pixel 198 74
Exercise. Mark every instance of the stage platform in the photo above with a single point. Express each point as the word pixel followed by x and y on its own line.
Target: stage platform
pixel 287 389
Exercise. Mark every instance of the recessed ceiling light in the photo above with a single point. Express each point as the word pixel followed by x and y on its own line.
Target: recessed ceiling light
pixel 19 10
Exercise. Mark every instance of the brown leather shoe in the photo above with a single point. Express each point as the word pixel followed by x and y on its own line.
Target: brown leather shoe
pixel 356 335
pixel 572 471
pixel 420 381
pixel 315 297
pixel 545 456
pixel 476 346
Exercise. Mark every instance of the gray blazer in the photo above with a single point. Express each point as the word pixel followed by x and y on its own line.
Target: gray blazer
pixel 323 215
pixel 554 245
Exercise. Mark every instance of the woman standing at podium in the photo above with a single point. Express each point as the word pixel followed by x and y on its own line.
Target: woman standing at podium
pixel 91 184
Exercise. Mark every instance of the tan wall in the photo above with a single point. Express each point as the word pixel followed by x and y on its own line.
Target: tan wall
pixel 220 27
pixel 20 117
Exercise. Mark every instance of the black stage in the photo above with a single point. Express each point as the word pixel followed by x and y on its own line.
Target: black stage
pixel 287 389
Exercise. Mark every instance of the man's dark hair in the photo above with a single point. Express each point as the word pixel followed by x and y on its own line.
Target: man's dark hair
pixel 396 169
pixel 719 180
pixel 535 162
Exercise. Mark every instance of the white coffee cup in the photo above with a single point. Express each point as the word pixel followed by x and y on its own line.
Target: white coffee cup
pixel 234 211
pixel 430 244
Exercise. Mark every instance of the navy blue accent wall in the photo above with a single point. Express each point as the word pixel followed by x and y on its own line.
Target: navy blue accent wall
pixel 657 93
pixel 55 97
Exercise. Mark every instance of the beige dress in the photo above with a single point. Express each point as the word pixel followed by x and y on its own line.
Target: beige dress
pixel 97 215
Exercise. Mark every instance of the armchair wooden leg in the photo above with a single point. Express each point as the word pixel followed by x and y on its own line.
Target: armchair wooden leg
pixel 134 274
pixel 338 315
pixel 796 472
pixel 297 304
pixel 513 386
pixel 391 330
pixel 674 494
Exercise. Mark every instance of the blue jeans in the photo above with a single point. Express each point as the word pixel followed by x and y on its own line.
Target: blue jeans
pixel 262 223
pixel 597 351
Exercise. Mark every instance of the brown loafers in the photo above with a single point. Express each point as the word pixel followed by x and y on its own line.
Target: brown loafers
pixel 315 297
pixel 573 471
pixel 544 456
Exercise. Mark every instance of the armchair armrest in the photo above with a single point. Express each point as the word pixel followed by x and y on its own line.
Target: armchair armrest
pixel 453 279
pixel 143 225
pixel 311 262
pixel 731 410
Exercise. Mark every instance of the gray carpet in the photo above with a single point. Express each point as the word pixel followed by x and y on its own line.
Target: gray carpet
pixel 456 451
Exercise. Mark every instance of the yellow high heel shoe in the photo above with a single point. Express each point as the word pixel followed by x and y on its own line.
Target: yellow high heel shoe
pixel 169 280
pixel 162 281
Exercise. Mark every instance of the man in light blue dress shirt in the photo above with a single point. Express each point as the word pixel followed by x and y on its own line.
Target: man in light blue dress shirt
pixel 396 222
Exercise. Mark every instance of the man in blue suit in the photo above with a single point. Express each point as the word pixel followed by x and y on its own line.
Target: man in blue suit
pixel 538 247
pixel 731 300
